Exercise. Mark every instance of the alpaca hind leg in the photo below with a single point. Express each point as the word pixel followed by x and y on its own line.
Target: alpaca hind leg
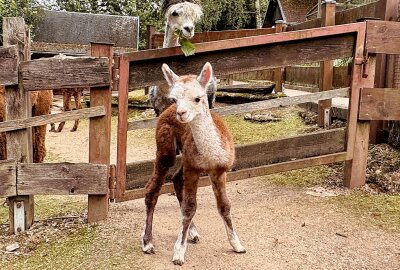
pixel 189 206
pixel 164 160
pixel 218 180
pixel 67 107
pixel 78 106
pixel 177 179
pixel 52 127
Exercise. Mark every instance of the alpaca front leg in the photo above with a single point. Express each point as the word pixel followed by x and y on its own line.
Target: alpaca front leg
pixel 177 179
pixel 188 208
pixel 78 106
pixel 218 180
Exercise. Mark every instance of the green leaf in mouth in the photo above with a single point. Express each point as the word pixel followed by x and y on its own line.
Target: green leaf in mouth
pixel 187 47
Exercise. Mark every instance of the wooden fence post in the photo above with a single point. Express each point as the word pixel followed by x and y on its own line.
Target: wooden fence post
pixel 326 67
pixel 357 147
pixel 18 106
pixel 100 133
pixel 278 72
pixel 386 11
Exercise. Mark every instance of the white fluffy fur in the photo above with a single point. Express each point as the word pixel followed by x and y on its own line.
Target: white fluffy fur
pixel 188 15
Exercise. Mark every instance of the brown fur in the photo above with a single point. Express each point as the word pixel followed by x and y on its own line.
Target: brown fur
pixel 170 131
pixel 41 105
pixel 67 97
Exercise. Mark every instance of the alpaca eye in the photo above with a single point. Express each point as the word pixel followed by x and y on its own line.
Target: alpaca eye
pixel 197 100
pixel 175 14
pixel 173 100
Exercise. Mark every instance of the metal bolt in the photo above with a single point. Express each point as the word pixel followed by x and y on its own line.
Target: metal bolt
pixel 19 229
pixel 19 204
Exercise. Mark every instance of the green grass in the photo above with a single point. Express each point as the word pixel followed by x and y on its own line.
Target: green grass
pixel 52 206
pixel 67 253
pixel 307 177
pixel 380 210
pixel 248 132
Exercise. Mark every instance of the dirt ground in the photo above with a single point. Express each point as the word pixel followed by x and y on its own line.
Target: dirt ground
pixel 282 227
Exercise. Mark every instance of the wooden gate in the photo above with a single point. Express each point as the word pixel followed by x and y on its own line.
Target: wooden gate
pixel 362 41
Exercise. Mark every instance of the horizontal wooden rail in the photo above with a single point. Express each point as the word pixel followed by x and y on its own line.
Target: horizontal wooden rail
pixel 51 118
pixel 201 37
pixel 62 179
pixel 255 106
pixel 257 154
pixel 8 65
pixel 248 173
pixel 58 73
pixel 8 178
pixel 379 104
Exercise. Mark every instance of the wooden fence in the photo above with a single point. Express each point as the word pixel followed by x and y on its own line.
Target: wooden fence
pixel 358 40
pixel 20 178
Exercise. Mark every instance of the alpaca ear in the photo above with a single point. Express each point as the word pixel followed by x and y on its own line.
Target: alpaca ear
pixel 169 75
pixel 205 75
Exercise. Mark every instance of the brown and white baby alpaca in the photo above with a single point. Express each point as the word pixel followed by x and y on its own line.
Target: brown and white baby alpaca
pixel 207 146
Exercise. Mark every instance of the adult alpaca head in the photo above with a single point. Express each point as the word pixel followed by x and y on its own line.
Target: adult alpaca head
pixel 182 15
pixel 189 93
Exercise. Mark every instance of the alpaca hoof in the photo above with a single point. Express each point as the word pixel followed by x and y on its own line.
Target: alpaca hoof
pixel 148 249
pixel 195 239
pixel 73 130
pixel 240 249
pixel 52 130
pixel 178 260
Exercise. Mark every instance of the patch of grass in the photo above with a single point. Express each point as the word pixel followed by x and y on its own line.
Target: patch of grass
pixel 67 253
pixel 381 210
pixel 248 132
pixel 307 177
pixel 51 206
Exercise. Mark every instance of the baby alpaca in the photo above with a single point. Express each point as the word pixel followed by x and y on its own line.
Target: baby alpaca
pixel 207 146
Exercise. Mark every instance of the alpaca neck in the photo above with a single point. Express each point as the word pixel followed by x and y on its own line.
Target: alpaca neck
pixel 170 40
pixel 207 138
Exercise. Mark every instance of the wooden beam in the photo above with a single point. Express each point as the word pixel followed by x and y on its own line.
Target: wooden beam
pixel 255 106
pixel 122 135
pixel 62 179
pixel 46 48
pixel 84 28
pixel 59 72
pixel 8 178
pixel 9 65
pixel 257 154
pixel 379 104
pixel 328 9
pixel 248 173
pixel 100 133
pixel 18 106
pixel 383 37
pixel 18 124
pixel 242 59
pixel 201 37
pixel 278 72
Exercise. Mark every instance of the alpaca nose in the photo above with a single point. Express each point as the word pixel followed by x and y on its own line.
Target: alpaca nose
pixel 181 113
pixel 188 28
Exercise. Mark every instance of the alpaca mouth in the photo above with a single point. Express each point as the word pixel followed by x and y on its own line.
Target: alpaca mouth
pixel 187 35
pixel 183 120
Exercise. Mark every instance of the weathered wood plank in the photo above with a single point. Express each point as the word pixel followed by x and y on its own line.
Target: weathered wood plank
pixel 379 104
pixel 247 88
pixel 52 118
pixel 8 178
pixel 70 49
pixel 247 173
pixel 257 154
pixel 255 106
pixel 157 39
pixel 354 14
pixel 383 37
pixel 100 134
pixel 9 65
pixel 250 58
pixel 315 23
pixel 62 179
pixel 18 106
pixel 60 72
pixel 84 28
